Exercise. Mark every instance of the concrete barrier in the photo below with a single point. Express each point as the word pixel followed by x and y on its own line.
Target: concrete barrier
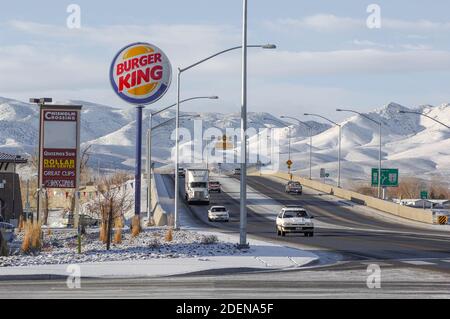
pixel 424 216
pixel 158 213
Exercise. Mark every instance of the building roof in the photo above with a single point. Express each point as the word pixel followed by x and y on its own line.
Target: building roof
pixel 8 158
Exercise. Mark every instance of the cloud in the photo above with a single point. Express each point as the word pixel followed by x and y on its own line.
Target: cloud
pixel 182 42
pixel 345 62
pixel 324 22
pixel 405 46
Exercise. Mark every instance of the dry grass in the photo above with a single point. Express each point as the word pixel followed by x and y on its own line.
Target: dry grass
pixel 136 226
pixel 36 236
pixel 103 234
pixel 118 225
pixel 26 242
pixel 169 234
pixel 49 231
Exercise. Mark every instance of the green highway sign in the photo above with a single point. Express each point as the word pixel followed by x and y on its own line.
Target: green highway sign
pixel 423 195
pixel 389 177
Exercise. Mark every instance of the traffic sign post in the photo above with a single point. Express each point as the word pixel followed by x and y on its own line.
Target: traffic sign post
pixel 423 196
pixel 289 165
pixel 389 177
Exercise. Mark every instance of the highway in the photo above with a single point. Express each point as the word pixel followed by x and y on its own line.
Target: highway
pixel 350 234
pixel 414 263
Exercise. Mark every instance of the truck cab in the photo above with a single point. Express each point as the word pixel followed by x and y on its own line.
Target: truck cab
pixel 196 186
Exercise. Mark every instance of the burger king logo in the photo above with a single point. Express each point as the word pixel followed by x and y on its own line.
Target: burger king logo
pixel 140 73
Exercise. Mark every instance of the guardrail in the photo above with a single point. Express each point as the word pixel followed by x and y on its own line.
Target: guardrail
pixel 420 215
pixel 159 214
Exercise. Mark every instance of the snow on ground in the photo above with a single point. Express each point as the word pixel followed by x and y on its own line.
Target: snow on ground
pixel 60 247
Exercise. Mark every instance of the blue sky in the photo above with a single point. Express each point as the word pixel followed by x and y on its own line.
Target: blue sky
pixel 327 57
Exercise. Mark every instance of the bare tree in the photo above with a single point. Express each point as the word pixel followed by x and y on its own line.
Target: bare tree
pixel 84 159
pixel 112 201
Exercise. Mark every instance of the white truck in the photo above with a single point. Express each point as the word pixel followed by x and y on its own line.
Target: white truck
pixel 196 185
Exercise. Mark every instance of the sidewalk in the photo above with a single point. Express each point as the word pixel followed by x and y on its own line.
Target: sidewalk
pixel 261 256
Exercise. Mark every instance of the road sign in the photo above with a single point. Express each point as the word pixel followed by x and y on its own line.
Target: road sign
pixel 289 162
pixel 423 195
pixel 322 173
pixel 223 143
pixel 59 146
pixel 327 174
pixel 443 220
pixel 389 177
pixel 140 73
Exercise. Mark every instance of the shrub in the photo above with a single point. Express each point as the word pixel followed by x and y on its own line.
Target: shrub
pixel 154 243
pixel 169 235
pixel 118 225
pixel 36 236
pixel 103 235
pixel 209 239
pixel 26 242
pixel 136 226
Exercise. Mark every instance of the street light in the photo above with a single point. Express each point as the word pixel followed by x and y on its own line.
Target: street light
pixel 379 146
pixel 149 141
pixel 422 114
pixel 310 139
pixel 339 152
pixel 41 102
pixel 243 118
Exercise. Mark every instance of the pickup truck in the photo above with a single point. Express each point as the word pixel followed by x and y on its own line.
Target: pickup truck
pixel 294 187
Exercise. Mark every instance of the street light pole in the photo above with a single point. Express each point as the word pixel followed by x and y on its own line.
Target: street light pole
pixel 310 140
pixel 180 71
pixel 340 137
pixel 41 102
pixel 149 136
pixel 379 143
pixel 177 142
pixel 243 205
pixel 422 114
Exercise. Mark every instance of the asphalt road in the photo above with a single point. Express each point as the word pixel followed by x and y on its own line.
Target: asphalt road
pixel 369 239
pixel 414 263
pixel 344 281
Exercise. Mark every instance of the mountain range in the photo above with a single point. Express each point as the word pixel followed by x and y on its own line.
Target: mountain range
pixel 416 145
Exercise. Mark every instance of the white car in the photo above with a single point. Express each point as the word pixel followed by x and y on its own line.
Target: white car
pixel 294 220
pixel 218 213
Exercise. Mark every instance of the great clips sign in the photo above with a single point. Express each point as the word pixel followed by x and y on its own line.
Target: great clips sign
pixel 140 73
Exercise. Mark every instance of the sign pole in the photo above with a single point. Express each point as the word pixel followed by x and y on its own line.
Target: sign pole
pixel 38 197
pixel 138 164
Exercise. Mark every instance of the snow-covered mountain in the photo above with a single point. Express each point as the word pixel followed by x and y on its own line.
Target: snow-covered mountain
pixel 416 145
pixel 110 131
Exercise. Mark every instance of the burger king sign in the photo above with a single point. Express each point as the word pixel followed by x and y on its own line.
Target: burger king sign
pixel 140 73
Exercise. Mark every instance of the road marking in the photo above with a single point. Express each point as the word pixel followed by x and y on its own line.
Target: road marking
pixel 446 260
pixel 381 264
pixel 418 262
